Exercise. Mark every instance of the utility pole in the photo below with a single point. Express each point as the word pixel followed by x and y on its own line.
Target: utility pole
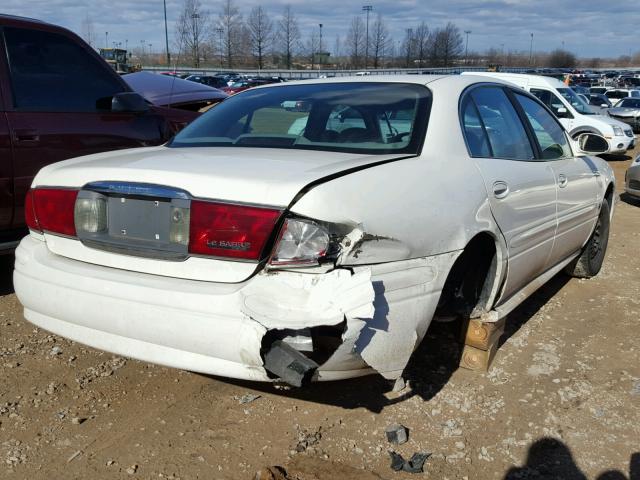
pixel 166 33
pixel 531 51
pixel 466 46
pixel 220 31
pixel 195 18
pixel 320 49
pixel 144 52
pixel 366 8
pixel 106 39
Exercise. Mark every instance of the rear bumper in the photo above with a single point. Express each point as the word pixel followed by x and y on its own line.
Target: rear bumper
pixel 192 325
pixel 218 329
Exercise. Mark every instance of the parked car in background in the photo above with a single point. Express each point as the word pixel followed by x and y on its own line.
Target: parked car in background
pixel 243 85
pixel 632 179
pixel 616 94
pixel 598 90
pixel 599 103
pixel 576 116
pixel 627 110
pixel 239 249
pixel 175 92
pixel 209 80
pixel 60 99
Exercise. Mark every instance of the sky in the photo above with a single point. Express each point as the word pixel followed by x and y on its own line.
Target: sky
pixel 585 27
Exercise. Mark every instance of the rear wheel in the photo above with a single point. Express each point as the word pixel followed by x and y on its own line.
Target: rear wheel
pixel 589 262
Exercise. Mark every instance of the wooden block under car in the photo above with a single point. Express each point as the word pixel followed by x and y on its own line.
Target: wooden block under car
pixel 475 359
pixel 483 334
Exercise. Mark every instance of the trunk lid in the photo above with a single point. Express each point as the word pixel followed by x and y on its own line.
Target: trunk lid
pixel 262 177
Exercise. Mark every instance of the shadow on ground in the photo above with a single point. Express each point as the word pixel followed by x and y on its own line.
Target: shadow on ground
pixel 549 458
pixel 626 198
pixel 6 274
pixel 428 371
pixel 621 157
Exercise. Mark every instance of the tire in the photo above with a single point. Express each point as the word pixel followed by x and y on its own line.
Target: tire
pixel 590 261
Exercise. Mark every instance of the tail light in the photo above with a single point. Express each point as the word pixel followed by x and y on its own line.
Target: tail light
pixel 234 231
pixel 301 243
pixel 30 214
pixel 52 210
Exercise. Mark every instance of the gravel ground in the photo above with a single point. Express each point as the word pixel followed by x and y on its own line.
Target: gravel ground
pixel 562 400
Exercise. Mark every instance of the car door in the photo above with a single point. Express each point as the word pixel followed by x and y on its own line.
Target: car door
pixel 576 178
pixel 6 170
pixel 521 190
pixel 60 99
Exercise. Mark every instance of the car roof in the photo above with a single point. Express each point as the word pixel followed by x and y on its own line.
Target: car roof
pixel 6 19
pixel 522 79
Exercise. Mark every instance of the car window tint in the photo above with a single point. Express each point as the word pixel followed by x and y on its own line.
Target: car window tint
pixel 50 72
pixel 507 136
pixel 474 131
pixel 552 139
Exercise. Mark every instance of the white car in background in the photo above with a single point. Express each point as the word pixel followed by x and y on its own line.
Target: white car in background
pixel 242 250
pixel 576 115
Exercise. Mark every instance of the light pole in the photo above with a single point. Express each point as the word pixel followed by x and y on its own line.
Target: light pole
pixel 320 49
pixel 531 51
pixel 126 44
pixel 106 39
pixel 220 31
pixel 166 33
pixel 143 54
pixel 367 8
pixel 196 17
pixel 466 46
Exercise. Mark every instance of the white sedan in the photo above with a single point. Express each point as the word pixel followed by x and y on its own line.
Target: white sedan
pixel 248 249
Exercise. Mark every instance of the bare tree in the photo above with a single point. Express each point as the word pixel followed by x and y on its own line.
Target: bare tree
pixel 446 44
pixel 230 21
pixel 380 40
pixel 356 40
pixel 260 33
pixel 561 58
pixel 88 30
pixel 408 47
pixel 192 30
pixel 312 47
pixel 421 42
pixel 288 34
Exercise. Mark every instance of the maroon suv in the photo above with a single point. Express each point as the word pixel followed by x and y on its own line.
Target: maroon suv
pixel 59 99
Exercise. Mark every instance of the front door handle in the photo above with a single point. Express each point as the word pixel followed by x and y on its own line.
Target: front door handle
pixel 500 189
pixel 26 136
pixel 562 180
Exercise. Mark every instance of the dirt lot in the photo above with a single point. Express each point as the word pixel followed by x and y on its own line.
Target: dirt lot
pixel 562 400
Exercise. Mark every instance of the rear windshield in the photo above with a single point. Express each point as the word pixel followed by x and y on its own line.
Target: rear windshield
pixel 363 117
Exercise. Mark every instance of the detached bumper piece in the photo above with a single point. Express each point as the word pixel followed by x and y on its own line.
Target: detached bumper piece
pixel 289 365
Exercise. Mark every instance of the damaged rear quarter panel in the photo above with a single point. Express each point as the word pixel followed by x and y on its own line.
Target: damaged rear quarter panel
pixel 411 219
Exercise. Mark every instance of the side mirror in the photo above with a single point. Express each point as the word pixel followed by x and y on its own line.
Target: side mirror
pixel 561 112
pixel 604 105
pixel 129 102
pixel 592 144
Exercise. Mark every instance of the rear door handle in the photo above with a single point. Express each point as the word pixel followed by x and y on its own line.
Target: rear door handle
pixel 562 180
pixel 500 189
pixel 25 135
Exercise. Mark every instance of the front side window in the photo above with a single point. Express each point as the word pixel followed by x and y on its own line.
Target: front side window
pixel 371 118
pixel 575 101
pixel 551 138
pixel 550 100
pixel 52 73
pixel 507 136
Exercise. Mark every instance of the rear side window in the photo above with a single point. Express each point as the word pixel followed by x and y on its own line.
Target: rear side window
pixel 52 73
pixel 505 132
pixel 474 131
pixel 551 138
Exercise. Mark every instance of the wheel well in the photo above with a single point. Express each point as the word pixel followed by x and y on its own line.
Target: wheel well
pixel 469 282
pixel 580 130
pixel 608 196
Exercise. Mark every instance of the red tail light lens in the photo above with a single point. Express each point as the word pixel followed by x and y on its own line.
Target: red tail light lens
pixel 53 209
pixel 234 231
pixel 29 213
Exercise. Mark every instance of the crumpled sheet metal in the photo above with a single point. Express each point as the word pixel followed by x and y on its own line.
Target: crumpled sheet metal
pixel 289 300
